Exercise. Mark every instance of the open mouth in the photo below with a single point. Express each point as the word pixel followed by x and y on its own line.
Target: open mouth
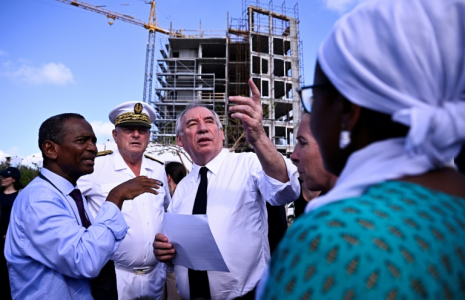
pixel 203 140
pixel 89 160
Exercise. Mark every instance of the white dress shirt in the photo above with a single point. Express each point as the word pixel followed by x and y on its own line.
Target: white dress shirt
pixel 138 272
pixel 236 210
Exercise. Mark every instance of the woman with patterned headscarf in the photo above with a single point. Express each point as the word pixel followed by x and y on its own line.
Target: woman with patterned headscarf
pixel 389 117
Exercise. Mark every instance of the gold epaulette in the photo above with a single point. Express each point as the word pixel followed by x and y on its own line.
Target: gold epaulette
pixel 153 158
pixel 103 153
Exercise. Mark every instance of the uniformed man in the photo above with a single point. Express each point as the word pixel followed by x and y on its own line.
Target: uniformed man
pixel 137 271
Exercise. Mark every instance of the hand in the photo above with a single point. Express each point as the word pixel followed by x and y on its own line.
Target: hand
pixel 132 188
pixel 249 111
pixel 163 251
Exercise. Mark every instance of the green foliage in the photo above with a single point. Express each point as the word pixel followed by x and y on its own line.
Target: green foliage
pixel 27 173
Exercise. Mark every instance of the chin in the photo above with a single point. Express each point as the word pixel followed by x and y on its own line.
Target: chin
pixel 88 170
pixel 136 148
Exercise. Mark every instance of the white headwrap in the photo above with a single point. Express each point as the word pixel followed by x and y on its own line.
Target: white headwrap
pixel 405 58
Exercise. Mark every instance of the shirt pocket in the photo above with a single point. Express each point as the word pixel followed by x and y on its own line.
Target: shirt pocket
pixel 107 187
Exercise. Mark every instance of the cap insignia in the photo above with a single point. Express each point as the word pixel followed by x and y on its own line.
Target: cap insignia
pixel 138 108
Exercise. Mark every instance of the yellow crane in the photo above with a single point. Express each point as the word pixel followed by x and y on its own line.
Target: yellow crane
pixel 152 28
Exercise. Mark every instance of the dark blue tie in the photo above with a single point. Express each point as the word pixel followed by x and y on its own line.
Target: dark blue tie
pixel 199 286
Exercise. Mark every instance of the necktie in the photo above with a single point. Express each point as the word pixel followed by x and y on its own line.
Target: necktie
pixel 199 286
pixel 76 195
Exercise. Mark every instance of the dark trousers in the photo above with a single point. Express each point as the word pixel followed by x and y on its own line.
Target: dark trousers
pixel 249 296
pixel 104 286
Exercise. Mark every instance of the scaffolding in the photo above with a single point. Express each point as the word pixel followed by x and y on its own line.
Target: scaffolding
pixel 207 67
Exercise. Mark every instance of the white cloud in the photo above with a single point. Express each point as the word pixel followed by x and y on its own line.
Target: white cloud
pixel 33 160
pixel 102 130
pixel 51 73
pixel 3 155
pixel 12 151
pixel 342 5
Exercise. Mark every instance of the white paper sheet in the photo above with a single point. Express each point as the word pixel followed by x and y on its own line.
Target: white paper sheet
pixel 194 243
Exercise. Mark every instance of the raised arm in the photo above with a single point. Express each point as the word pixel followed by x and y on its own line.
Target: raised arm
pixel 249 111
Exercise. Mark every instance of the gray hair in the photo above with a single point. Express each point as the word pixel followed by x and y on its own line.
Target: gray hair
pixel 178 129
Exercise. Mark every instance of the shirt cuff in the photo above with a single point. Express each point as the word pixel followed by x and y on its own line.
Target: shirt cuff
pixel 275 186
pixel 110 215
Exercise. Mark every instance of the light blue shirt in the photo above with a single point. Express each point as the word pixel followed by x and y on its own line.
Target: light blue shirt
pixel 49 254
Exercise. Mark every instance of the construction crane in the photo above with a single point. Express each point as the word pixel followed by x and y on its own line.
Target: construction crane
pixel 152 28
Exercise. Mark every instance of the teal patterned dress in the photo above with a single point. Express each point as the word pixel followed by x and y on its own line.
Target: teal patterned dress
pixel 397 241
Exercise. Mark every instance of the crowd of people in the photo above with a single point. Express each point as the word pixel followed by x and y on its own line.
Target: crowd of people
pixel 380 203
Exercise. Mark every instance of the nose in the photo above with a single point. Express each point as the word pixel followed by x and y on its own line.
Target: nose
pixel 295 156
pixel 92 146
pixel 202 127
pixel 138 132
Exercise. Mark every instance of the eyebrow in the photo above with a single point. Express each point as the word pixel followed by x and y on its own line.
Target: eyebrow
pixel 85 136
pixel 191 120
pixel 196 119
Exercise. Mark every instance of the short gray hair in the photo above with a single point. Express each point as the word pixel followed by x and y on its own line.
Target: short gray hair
pixel 178 129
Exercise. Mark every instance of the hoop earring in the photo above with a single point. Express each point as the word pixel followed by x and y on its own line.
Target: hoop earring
pixel 344 139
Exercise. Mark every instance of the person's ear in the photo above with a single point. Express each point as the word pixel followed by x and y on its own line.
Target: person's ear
pixel 179 141
pixel 350 114
pixel 50 150
pixel 222 134
pixel 115 135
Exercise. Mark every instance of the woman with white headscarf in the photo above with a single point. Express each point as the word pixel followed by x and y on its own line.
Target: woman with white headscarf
pixel 389 116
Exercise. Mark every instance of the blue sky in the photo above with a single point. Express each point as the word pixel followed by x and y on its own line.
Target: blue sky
pixel 56 58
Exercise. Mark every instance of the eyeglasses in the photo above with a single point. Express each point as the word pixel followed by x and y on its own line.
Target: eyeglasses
pixel 306 95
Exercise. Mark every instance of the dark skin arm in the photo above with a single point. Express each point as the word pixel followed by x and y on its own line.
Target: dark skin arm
pixel 132 188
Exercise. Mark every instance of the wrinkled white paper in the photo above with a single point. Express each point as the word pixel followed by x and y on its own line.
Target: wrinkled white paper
pixel 194 242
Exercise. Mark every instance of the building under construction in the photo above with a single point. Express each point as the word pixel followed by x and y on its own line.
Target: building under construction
pixel 209 66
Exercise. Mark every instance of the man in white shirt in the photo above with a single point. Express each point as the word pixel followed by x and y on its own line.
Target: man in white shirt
pixel 138 273
pixel 239 184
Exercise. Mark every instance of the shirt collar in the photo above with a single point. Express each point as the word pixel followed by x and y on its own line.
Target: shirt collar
pixel 213 165
pixel 120 164
pixel 61 183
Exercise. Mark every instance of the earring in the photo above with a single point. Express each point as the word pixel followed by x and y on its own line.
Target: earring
pixel 344 139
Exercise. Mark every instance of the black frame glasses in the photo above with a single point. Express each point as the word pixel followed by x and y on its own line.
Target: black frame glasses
pixel 306 95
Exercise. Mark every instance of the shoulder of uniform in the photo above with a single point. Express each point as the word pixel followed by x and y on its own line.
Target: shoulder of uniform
pixel 154 159
pixel 103 153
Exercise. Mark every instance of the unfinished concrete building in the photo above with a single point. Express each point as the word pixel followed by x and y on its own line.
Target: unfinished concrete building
pixel 209 66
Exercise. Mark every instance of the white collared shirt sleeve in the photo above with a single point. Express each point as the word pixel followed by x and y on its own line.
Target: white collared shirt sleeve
pixel 275 191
